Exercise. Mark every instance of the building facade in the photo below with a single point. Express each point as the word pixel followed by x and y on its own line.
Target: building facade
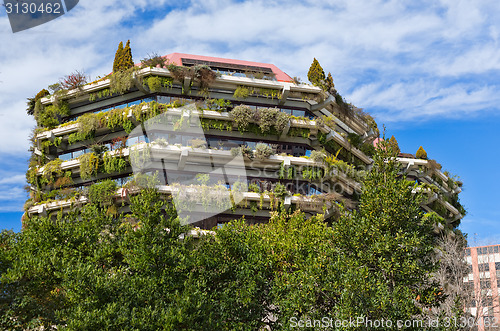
pixel 296 145
pixel 482 284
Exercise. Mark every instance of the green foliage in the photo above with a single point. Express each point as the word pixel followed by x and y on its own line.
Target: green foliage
pixel 100 94
pixel 49 117
pixel 269 93
pixel 154 61
pixel 89 165
pixel 393 143
pixel 312 173
pixel 218 104
pixel 118 57
pixel 329 82
pixel 114 163
pixel 421 153
pixel 156 83
pixel 123 58
pixel 355 139
pixel 241 92
pixel 241 115
pixel 316 75
pixel 102 193
pixel 262 151
pixel 242 150
pixel 318 156
pixel 388 244
pixel 87 124
pixel 122 81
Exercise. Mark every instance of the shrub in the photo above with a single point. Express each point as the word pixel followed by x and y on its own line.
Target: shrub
pixel 253 188
pixel 74 80
pixel 155 83
pixel 218 104
pixel 242 115
pixel 421 153
pixel 154 61
pixel 280 190
pixel 49 116
pixel 242 150
pixel 198 143
pixel 87 124
pixel 102 193
pixel 204 75
pixel 241 92
pixel 263 151
pixel 317 156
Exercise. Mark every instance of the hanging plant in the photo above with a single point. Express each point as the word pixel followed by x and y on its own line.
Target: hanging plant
pixel 139 155
pixel 114 163
pixel 89 166
pixel 52 170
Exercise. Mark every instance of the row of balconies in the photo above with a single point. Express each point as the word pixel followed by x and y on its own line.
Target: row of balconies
pixel 230 83
pixel 66 129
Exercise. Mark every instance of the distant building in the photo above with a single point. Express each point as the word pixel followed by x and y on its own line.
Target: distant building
pixel 483 283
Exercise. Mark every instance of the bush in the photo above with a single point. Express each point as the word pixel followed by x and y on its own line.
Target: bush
pixel 421 153
pixel 241 115
pixel 242 150
pixel 74 80
pixel 102 193
pixel 317 156
pixel 241 92
pixel 154 61
pixel 263 151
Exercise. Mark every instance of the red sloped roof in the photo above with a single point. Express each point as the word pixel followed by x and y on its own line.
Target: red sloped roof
pixel 176 58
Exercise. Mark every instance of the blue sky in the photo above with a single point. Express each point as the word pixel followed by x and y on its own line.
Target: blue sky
pixel 427 70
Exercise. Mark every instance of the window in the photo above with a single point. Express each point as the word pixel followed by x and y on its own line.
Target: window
pixel 467 252
pixel 485 283
pixel 484 267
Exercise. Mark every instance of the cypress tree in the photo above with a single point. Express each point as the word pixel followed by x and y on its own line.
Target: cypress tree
pixel 329 82
pixel 127 61
pixel 118 57
pixel 316 75
pixel 394 145
pixel 421 153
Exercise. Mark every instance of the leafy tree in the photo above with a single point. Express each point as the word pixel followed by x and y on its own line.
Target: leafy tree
pixel 421 153
pixel 388 244
pixel 316 75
